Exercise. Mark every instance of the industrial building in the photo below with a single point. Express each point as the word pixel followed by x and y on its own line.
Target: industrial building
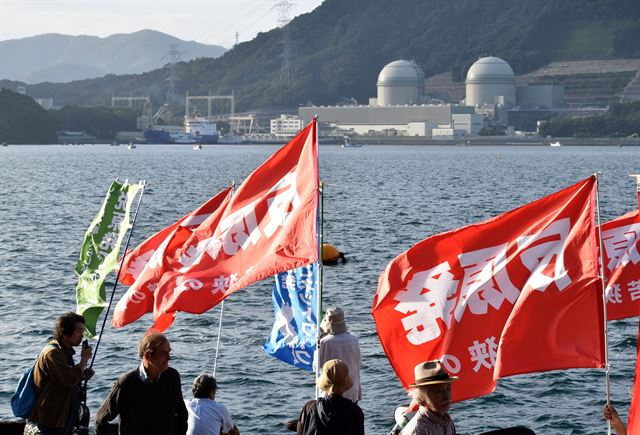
pixel 402 108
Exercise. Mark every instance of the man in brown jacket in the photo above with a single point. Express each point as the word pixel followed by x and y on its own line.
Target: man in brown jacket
pixel 57 379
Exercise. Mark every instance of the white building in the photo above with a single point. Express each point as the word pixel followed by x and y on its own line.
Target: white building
pixel 400 82
pixel 286 126
pixel 490 81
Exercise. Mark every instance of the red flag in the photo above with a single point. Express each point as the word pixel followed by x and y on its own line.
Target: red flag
pixel 517 293
pixel 634 411
pixel 268 227
pixel 144 266
pixel 620 240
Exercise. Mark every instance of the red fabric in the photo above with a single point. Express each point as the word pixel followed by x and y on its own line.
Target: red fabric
pixel 268 227
pixel 620 240
pixel 517 293
pixel 143 267
pixel 634 410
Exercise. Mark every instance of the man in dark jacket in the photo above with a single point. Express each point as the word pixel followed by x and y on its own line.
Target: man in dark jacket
pixel 148 399
pixel 332 415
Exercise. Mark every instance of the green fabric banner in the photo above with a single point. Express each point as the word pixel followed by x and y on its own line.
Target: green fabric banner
pixel 99 252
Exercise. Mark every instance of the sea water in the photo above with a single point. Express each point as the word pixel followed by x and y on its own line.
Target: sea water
pixel 378 202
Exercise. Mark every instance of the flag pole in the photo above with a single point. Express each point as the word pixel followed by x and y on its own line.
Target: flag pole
pixel 604 301
pixel 215 359
pixel 143 183
pixel 320 249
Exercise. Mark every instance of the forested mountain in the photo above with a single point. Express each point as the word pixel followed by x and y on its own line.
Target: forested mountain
pixel 64 58
pixel 23 121
pixel 339 49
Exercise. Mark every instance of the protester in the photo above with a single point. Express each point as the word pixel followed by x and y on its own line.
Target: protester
pixel 148 399
pixel 332 414
pixel 338 343
pixel 57 379
pixel 432 391
pixel 206 416
pixel 611 414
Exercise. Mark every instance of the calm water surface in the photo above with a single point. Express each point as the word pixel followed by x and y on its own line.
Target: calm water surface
pixel 379 201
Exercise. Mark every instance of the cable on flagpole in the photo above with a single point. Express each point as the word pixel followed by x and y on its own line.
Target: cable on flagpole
pixel 604 301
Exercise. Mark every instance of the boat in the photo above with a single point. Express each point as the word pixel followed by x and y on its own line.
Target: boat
pixel 201 129
pixel 555 144
pixel 131 146
pixel 197 146
pixel 348 144
pixel 75 137
pixel 197 129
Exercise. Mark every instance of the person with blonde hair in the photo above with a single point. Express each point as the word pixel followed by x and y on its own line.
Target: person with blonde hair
pixel 148 399
pixel 332 414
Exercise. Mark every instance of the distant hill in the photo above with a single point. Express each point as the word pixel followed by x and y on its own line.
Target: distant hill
pixel 64 58
pixel 23 121
pixel 339 48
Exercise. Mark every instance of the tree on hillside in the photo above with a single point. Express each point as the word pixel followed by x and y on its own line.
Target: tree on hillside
pixel 23 121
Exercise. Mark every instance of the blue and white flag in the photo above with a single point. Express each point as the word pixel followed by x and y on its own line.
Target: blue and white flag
pixel 295 332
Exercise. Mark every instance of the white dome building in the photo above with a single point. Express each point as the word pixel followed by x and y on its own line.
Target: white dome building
pixel 490 80
pixel 400 82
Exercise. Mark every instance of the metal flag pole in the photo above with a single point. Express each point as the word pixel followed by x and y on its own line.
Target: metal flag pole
pixel 215 359
pixel 604 301
pixel 320 232
pixel 143 183
pixel 637 177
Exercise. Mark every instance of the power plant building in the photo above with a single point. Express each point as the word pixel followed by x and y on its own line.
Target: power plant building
pixel 402 108
pixel 399 109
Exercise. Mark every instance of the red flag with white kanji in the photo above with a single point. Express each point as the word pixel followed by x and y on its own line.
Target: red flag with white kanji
pixel 634 410
pixel 268 227
pixel 517 293
pixel 143 266
pixel 620 240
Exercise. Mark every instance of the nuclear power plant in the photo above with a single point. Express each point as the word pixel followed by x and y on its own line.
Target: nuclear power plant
pixel 403 108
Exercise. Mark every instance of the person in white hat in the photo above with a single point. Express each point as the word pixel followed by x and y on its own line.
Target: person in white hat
pixel 432 391
pixel 338 343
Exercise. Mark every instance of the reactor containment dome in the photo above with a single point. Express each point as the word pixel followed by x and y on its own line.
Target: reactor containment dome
pixel 490 81
pixel 400 83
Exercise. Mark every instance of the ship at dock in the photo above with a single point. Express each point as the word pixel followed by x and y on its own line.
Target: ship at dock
pixel 197 129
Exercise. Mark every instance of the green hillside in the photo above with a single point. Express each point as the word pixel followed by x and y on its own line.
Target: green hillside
pixel 339 49
pixel 23 121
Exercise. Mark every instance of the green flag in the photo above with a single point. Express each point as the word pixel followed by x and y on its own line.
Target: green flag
pixel 99 252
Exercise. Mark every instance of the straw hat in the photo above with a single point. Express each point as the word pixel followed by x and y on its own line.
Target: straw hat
pixel 333 322
pixel 335 377
pixel 431 373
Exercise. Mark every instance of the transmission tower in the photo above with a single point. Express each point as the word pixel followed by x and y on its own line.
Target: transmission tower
pixel 283 6
pixel 237 39
pixel 173 56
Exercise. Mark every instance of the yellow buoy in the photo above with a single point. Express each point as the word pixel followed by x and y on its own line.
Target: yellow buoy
pixel 330 254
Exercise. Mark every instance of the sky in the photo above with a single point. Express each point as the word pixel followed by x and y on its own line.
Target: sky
pixel 207 21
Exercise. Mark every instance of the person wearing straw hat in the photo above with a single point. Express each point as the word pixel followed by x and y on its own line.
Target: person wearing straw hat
pixel 333 414
pixel 338 343
pixel 432 391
